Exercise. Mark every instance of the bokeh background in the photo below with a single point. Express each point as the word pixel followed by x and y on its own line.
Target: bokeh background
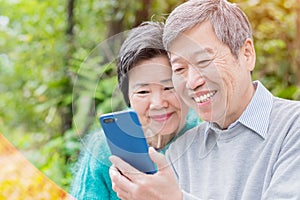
pixel 45 43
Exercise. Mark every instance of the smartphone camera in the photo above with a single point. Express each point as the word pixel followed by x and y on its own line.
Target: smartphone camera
pixel 109 120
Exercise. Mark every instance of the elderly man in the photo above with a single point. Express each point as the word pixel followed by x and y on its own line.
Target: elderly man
pixel 249 146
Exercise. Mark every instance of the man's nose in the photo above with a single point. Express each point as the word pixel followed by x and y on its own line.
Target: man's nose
pixel 195 78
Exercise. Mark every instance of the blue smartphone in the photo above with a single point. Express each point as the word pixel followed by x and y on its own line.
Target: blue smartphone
pixel 125 138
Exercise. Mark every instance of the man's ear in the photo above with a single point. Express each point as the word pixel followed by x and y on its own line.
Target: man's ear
pixel 248 54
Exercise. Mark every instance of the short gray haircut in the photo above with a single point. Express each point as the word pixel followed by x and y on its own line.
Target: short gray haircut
pixel 229 22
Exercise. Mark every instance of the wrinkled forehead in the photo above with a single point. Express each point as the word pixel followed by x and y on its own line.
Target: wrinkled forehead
pixel 200 40
pixel 187 48
pixel 191 50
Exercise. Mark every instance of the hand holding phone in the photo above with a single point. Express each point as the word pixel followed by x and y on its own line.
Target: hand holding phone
pixel 125 138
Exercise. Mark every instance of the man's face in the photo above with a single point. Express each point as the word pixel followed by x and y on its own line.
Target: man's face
pixel 209 77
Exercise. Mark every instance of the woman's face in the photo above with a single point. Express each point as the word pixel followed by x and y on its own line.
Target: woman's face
pixel 161 111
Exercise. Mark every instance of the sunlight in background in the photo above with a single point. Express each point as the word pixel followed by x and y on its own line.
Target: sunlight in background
pixel 20 180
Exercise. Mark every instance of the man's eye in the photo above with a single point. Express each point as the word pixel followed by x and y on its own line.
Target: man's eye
pixel 204 63
pixel 169 88
pixel 178 70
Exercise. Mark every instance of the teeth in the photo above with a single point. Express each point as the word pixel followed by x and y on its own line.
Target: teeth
pixel 204 98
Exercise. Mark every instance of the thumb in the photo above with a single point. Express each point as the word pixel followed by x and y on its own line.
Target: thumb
pixel 158 158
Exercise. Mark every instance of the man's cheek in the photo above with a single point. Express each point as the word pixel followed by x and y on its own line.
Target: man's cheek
pixel 179 83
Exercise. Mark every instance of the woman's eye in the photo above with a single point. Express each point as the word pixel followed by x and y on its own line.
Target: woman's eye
pixel 142 92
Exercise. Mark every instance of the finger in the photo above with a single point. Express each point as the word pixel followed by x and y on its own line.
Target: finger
pixel 126 169
pixel 158 158
pixel 120 184
pixel 124 195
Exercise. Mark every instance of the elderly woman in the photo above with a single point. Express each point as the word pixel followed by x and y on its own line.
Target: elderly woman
pixel 144 77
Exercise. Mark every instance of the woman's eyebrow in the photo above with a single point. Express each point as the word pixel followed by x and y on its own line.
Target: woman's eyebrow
pixel 137 85
pixel 166 80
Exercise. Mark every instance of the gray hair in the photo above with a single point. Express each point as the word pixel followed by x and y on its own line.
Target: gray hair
pixel 228 21
pixel 142 43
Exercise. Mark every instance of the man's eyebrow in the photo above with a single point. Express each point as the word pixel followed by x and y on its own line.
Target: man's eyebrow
pixel 204 51
pixel 172 59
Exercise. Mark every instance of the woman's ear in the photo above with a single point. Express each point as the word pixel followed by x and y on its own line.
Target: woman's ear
pixel 248 53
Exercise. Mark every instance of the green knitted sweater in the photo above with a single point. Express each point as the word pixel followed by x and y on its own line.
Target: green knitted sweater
pixel 91 178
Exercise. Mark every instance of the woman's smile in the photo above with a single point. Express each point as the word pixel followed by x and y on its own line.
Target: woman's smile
pixel 161 117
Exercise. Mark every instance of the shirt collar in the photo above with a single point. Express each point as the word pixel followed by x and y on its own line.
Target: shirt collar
pixel 257 114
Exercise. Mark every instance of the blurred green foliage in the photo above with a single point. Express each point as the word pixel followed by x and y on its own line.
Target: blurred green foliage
pixel 50 89
pixel 275 36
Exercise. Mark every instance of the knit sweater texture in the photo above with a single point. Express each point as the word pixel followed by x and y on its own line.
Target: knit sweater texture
pixel 91 173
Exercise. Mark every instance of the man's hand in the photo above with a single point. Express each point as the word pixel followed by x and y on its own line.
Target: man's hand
pixel 131 184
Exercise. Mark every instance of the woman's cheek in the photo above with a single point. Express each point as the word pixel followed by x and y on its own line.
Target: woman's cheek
pixel 140 106
pixel 175 101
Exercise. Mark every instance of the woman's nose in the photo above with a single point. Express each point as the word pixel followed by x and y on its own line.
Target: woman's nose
pixel 158 101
